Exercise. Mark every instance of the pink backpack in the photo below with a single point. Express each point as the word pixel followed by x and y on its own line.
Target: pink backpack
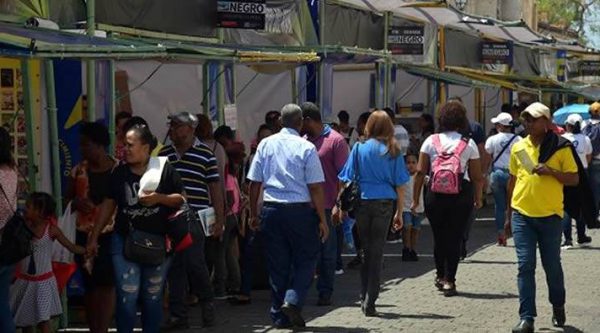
pixel 446 171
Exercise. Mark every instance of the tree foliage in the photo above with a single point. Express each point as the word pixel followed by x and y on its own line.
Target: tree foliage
pixel 571 14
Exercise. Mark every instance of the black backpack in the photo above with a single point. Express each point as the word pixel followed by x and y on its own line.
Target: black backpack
pixel 15 238
pixel 592 131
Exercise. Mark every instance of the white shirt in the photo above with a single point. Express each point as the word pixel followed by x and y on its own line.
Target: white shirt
pixel 449 142
pixel 496 143
pixel 408 196
pixel 401 135
pixel 582 144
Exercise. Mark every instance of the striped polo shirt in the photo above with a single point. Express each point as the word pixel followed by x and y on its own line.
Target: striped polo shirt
pixel 197 167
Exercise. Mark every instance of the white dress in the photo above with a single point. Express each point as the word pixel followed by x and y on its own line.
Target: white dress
pixel 34 296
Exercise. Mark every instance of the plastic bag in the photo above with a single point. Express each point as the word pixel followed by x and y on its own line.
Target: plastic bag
pixel 67 223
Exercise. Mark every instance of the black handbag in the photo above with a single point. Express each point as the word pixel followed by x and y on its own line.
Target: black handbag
pixel 349 200
pixel 144 247
pixel 15 240
pixel 183 227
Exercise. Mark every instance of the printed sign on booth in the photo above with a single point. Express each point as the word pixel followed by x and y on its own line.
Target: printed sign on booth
pixel 496 53
pixel 241 14
pixel 406 40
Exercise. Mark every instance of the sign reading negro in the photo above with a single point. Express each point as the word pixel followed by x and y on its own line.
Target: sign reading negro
pixel 496 53
pixel 406 40
pixel 241 14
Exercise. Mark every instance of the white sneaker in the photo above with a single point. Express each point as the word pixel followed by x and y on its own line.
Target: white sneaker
pixel 339 271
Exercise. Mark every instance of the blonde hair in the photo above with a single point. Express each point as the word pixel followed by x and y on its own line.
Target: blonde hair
pixel 380 127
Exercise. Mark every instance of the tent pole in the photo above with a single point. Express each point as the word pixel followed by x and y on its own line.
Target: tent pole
pixel 29 101
pixel 112 105
pixel 205 92
pixel 91 64
pixel 442 63
pixel 388 66
pixel 221 83
pixel 53 123
pixel 294 85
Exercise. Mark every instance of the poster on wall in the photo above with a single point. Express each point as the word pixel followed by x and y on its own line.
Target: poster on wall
pixel 12 115
pixel 406 40
pixel 69 102
pixel 241 14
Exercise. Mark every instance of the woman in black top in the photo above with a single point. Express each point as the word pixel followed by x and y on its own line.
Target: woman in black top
pixel 144 212
pixel 95 169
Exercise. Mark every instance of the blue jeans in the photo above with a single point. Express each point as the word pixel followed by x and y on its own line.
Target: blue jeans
pixel 135 281
pixel 292 244
pixel 499 179
pixel 568 227
pixel 594 173
pixel 412 220
pixel 529 232
pixel 327 261
pixel 6 319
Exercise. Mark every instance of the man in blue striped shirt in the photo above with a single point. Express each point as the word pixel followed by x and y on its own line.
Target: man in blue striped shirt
pixel 197 167
pixel 289 169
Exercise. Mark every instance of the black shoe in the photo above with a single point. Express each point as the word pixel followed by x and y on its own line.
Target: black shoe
pixel 324 301
pixel 282 325
pixel 240 301
pixel 524 326
pixel 558 316
pixel 369 311
pixel 293 314
pixel 175 324
pixel 439 283
pixel 413 256
pixel 355 263
pixel 405 254
pixel 449 289
pixel 584 240
pixel 208 314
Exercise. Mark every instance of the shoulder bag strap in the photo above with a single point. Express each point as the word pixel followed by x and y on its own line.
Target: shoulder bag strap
pixel 7 200
pixel 503 150
pixel 356 176
pixel 437 144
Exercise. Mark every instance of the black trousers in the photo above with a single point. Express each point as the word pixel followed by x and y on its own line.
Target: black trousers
pixel 448 215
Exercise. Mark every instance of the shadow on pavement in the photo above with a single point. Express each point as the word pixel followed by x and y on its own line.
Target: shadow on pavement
pixel 491 262
pixel 486 296
pixel 332 329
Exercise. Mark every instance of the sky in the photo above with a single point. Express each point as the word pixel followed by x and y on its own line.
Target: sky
pixel 593 38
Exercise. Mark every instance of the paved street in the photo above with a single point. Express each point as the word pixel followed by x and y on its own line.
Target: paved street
pixel 487 300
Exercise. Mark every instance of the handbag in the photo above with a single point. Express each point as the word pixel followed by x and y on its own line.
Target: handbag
pixel 15 240
pixel 140 246
pixel 349 200
pixel 144 247
pixel 183 227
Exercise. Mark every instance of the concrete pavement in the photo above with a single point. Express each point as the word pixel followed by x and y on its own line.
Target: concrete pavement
pixel 487 300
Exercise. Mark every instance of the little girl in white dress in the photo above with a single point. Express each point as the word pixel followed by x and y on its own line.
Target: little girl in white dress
pixel 34 297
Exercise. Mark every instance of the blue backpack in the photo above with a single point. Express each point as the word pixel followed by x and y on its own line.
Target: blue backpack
pixel 592 131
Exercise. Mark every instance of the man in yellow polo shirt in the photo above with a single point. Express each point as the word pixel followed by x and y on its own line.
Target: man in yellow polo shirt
pixel 536 211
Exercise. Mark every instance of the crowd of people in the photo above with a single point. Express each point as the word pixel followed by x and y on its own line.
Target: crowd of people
pixel 282 205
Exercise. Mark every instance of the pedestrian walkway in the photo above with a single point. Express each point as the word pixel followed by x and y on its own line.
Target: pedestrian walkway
pixel 487 300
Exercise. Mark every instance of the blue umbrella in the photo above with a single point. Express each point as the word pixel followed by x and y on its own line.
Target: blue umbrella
pixel 560 116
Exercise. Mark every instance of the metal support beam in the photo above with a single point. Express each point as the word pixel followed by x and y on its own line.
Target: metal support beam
pixel 112 104
pixel 387 78
pixel 54 143
pixel 28 99
pixel 294 82
pixel 91 64
pixel 205 92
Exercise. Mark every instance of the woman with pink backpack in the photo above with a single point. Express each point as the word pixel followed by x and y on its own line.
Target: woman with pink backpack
pixel 453 164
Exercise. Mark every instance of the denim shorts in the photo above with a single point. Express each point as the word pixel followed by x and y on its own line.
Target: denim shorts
pixel 413 220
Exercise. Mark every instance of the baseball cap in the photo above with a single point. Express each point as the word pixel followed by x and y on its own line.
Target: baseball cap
pixel 573 119
pixel 537 110
pixel 184 117
pixel 503 118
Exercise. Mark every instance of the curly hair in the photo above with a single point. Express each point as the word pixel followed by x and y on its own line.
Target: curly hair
pixel 453 117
